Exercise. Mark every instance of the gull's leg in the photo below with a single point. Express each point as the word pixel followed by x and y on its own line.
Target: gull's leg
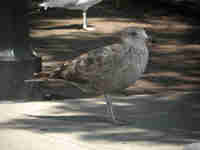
pixel 109 107
pixel 85 23
pixel 84 20
pixel 110 110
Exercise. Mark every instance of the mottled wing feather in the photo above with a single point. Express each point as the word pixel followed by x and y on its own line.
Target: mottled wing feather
pixel 94 65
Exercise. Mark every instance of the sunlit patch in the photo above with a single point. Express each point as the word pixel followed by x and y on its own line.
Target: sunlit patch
pixel 180 46
pixel 174 55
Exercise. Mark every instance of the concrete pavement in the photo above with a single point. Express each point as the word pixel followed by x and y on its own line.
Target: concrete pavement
pixel 156 122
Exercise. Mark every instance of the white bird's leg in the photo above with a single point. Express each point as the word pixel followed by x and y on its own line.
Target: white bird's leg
pixel 85 23
pixel 84 19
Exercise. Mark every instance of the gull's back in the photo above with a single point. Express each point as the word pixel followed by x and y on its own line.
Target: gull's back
pixel 110 68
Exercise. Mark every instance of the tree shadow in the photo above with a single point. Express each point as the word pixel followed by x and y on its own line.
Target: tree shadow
pixel 60 49
pixel 174 56
pixel 72 26
pixel 158 119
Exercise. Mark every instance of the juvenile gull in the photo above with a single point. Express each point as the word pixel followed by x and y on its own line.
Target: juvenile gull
pixel 109 69
pixel 83 5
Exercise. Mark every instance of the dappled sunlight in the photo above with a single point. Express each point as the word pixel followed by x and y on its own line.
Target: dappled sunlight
pixel 174 54
pixel 163 119
pixel 161 109
pixel 173 58
pixel 167 25
pixel 177 47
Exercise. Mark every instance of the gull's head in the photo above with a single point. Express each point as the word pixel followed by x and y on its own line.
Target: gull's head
pixel 134 33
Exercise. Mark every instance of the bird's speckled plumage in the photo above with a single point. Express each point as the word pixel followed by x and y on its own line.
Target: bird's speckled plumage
pixel 111 68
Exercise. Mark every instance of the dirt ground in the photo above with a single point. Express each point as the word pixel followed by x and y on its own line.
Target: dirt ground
pixel 174 54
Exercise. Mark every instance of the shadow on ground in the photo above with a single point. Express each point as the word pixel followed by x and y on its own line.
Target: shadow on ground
pixel 158 119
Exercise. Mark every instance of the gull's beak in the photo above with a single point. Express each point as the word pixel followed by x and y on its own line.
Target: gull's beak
pixel 149 38
pixel 149 41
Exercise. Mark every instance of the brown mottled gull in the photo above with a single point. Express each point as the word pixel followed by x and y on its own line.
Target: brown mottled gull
pixel 111 68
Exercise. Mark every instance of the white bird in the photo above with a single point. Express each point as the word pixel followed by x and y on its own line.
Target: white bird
pixel 83 5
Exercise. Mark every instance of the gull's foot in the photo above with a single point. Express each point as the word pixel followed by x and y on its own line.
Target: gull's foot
pixel 89 28
pixel 120 122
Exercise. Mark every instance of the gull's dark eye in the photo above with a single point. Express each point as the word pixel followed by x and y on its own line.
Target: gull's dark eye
pixel 133 33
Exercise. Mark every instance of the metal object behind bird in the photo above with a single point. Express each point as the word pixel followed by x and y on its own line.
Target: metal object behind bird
pixel 83 5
